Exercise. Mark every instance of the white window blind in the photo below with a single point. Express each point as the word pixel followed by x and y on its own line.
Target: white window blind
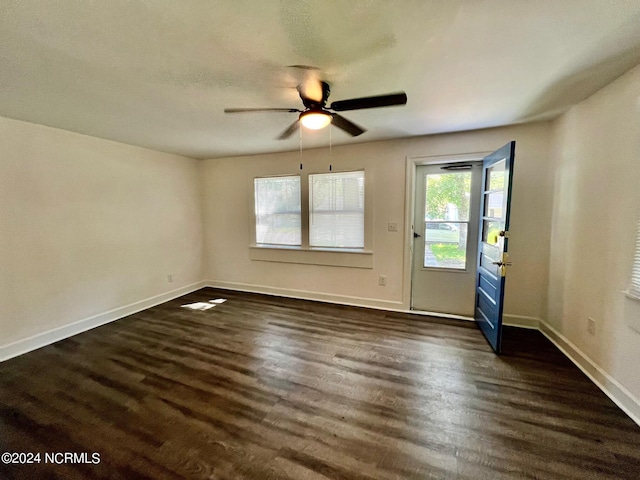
pixel 278 210
pixel 634 288
pixel 336 210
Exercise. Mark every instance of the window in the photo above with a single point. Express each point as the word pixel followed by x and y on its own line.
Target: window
pixel 447 203
pixel 634 288
pixel 278 213
pixel 336 210
pixel 313 219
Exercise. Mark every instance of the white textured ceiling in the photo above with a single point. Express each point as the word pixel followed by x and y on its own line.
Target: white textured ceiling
pixel 158 73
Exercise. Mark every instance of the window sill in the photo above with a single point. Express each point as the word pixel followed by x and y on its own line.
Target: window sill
pixel 631 295
pixel 444 269
pixel 336 257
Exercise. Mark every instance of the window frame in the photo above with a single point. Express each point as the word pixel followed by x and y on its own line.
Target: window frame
pixel 311 214
pixel 255 213
pixel 633 291
pixel 306 254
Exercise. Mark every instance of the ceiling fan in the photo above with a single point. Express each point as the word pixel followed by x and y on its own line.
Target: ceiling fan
pixel 317 115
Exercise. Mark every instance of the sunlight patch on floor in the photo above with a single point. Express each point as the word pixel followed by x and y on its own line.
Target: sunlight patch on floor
pixel 204 305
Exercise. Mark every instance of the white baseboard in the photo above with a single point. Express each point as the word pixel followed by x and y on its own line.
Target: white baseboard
pixel 391 306
pixel 51 336
pixel 624 399
pixel 308 295
pixel 521 321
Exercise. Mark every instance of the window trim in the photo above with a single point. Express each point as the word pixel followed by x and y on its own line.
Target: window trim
pixel 313 256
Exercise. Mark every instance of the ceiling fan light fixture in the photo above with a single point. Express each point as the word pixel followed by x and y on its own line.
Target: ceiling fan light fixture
pixel 317 115
pixel 315 120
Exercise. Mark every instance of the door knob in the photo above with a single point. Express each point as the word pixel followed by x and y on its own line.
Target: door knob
pixel 500 264
pixel 416 235
pixel 503 265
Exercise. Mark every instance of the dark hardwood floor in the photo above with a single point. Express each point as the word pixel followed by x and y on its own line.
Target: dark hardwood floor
pixel 262 387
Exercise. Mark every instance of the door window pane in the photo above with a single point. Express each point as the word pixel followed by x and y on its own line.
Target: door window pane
pixel 448 196
pixel 445 245
pixel 491 231
pixel 494 204
pixel 495 176
pixel 447 202
pixel 278 210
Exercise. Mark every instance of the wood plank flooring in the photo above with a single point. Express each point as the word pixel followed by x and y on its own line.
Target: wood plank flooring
pixel 262 387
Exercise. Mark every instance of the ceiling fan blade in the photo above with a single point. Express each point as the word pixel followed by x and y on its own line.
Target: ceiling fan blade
pixel 370 102
pixel 243 110
pixel 289 131
pixel 303 67
pixel 347 125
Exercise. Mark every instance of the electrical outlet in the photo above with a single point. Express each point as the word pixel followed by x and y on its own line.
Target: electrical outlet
pixel 392 226
pixel 382 280
pixel 591 326
pixel 170 278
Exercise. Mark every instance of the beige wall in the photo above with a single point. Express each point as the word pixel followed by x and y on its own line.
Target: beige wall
pixel 228 197
pixel 595 167
pixel 88 226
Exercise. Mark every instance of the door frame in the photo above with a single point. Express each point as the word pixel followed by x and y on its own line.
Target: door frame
pixel 409 210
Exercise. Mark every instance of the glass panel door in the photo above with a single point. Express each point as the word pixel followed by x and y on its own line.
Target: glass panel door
pixel 446 216
pixel 493 242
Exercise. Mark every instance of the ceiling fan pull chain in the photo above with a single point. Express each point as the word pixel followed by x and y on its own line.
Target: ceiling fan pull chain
pixel 330 152
pixel 300 129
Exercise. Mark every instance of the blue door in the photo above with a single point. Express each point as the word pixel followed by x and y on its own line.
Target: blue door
pixel 493 242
